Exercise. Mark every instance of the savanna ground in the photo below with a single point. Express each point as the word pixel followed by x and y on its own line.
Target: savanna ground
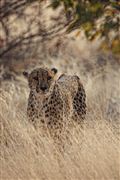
pixel 94 151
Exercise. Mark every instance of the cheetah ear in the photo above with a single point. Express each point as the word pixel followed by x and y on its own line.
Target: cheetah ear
pixel 54 70
pixel 26 74
pixel 77 77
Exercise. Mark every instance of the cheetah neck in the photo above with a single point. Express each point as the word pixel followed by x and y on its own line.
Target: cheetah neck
pixel 37 95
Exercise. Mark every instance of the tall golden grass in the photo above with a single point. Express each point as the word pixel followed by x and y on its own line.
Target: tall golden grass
pixel 28 155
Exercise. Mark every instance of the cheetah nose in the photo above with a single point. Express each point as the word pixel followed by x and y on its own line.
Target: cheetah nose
pixel 43 88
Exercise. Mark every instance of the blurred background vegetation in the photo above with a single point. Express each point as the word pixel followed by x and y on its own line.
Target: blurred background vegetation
pixel 32 32
pixel 98 19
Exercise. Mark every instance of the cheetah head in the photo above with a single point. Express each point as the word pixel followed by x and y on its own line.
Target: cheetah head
pixel 41 79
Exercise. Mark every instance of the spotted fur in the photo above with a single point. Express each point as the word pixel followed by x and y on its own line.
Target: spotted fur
pixel 54 103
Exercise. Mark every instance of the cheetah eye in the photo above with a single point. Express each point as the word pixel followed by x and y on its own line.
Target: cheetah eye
pixel 35 78
pixel 49 78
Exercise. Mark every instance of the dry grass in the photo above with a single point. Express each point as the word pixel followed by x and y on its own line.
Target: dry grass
pixel 26 154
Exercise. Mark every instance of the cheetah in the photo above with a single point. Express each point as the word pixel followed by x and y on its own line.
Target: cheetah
pixel 54 102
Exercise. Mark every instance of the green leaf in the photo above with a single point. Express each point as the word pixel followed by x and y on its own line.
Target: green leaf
pixel 55 4
pixel 116 46
pixel 88 26
pixel 68 3
pixel 110 25
pixel 95 7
